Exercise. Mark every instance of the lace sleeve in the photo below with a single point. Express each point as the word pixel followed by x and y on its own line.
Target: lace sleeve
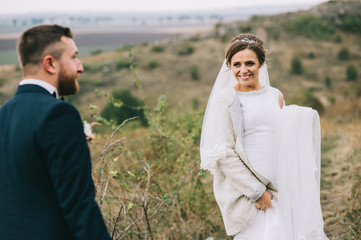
pixel 215 132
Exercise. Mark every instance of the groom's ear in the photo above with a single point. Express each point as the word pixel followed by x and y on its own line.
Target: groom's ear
pixel 50 64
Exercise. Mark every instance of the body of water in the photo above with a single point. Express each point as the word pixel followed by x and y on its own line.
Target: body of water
pixel 87 43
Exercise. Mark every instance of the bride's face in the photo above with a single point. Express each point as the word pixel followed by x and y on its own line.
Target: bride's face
pixel 245 67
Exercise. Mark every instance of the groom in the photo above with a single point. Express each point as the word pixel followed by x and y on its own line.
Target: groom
pixel 46 187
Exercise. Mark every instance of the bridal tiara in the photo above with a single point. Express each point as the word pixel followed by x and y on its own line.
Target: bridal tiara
pixel 247 40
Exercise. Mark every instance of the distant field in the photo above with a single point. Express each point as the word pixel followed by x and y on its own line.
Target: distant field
pixel 117 39
pixel 87 43
pixel 8 57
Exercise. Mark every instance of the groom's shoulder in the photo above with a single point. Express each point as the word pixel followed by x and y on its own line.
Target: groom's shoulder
pixel 59 106
pixel 52 109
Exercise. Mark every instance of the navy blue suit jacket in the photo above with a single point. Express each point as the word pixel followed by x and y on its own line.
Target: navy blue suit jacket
pixel 46 188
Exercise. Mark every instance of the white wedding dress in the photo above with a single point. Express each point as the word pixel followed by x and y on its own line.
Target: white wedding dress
pixel 282 145
pixel 259 110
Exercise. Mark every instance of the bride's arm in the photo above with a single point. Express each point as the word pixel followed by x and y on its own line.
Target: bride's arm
pixel 240 177
pixel 281 99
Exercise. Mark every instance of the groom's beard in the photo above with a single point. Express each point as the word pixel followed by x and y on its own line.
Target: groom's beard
pixel 67 83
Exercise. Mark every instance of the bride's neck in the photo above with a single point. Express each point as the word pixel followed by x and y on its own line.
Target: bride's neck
pixel 243 88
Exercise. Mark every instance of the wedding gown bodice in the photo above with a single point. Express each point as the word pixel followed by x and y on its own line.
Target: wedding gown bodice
pixel 259 110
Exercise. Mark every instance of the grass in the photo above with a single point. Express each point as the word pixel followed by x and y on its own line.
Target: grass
pixel 340 178
pixel 148 180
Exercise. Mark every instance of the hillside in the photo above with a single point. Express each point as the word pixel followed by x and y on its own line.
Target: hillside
pixel 314 59
pixel 315 37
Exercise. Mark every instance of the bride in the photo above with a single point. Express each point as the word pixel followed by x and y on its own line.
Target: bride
pixel 264 156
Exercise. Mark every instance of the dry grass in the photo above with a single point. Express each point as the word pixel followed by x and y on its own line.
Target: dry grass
pixel 341 161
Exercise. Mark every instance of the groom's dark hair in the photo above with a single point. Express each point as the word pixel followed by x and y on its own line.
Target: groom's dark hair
pixel 37 42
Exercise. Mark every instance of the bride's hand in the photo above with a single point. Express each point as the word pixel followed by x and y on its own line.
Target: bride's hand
pixel 264 201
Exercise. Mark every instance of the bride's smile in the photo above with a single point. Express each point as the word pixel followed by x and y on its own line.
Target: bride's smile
pixel 245 68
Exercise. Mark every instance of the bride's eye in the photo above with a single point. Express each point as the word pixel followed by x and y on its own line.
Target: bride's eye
pixel 250 63
pixel 236 64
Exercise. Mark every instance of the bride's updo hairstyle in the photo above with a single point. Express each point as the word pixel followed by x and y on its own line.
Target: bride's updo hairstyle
pixel 245 41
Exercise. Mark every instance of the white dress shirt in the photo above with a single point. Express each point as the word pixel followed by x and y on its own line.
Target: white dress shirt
pixel 50 88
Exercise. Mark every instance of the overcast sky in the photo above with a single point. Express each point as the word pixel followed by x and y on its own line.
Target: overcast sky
pixel 32 6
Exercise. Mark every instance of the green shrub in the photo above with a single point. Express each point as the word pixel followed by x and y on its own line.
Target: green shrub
pixel 194 72
pixel 195 38
pixel 273 32
pixel 185 49
pixel 90 68
pixel 121 64
pixel 331 100
pixel 296 66
pixel 123 105
pixel 309 26
pixel 328 82
pixel 157 49
pixel 152 64
pixel 351 72
pixel 244 29
pixel 97 68
pixel 350 23
pixel 343 54
pixel 195 103
pixel 96 52
pixel 126 47
pixel 306 98
pixel 87 68
pixel 311 55
pixel 99 83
